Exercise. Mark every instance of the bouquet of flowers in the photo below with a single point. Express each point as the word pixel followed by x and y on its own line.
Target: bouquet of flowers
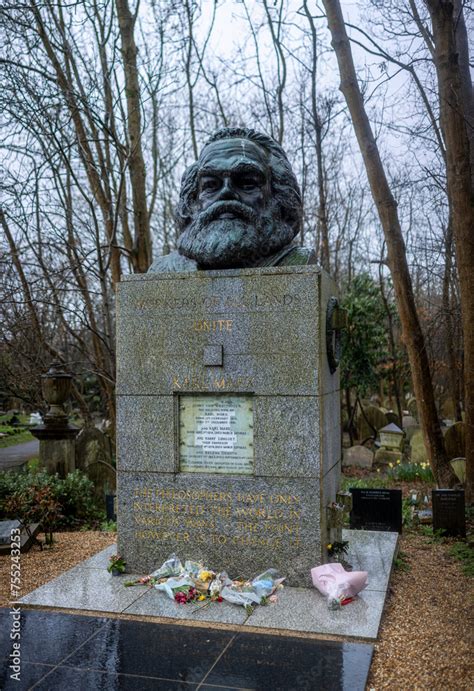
pixel 194 582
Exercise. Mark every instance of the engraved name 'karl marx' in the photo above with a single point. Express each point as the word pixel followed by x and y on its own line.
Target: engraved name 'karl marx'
pixel 239 206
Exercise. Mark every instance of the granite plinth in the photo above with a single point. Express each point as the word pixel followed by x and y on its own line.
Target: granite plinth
pixel 257 335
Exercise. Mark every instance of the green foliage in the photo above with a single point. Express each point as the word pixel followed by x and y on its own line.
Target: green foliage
pixel 464 551
pixel 412 472
pixel 364 483
pixel 108 526
pixel 33 465
pixel 16 435
pixel 434 536
pixel 407 512
pixel 365 339
pixel 117 563
pixel 401 562
pixel 74 496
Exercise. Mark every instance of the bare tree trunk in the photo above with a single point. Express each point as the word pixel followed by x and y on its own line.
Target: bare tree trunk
pixel 412 334
pixel 453 370
pixel 393 348
pixel 142 252
pixel 456 113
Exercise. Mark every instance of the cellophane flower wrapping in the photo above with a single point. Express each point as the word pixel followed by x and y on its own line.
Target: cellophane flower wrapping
pixel 193 575
pixel 337 584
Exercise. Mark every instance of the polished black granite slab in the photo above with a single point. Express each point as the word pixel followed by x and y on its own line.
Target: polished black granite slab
pixel 62 651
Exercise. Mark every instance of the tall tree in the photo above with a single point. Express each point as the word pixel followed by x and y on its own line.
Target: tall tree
pixel 457 118
pixel 412 334
pixel 142 251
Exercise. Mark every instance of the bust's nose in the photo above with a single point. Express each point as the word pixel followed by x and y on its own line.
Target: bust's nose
pixel 227 191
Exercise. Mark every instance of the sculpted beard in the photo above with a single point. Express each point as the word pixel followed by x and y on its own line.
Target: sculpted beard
pixel 240 240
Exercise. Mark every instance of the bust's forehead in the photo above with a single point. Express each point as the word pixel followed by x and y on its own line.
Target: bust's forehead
pixel 234 151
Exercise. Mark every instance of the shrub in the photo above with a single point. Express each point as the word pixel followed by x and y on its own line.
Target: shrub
pixel 74 497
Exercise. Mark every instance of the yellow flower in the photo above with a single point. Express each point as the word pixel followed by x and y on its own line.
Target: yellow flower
pixel 329 546
pixel 390 465
pixel 201 598
pixel 398 462
pixel 205 575
pixel 378 470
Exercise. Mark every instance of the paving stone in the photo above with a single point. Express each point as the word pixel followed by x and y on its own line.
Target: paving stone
pixel 84 588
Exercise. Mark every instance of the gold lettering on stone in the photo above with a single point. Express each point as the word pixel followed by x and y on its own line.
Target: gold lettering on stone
pixel 211 383
pixel 213 325
pixel 208 517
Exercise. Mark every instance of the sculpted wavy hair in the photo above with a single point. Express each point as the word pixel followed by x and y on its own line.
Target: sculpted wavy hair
pixel 285 188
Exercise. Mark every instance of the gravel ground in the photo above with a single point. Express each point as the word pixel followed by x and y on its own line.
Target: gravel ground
pixel 425 640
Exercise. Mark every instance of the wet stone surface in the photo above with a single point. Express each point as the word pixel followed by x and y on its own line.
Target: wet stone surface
pixel 61 651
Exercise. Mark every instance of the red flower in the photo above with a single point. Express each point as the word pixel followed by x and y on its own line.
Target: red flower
pixel 220 599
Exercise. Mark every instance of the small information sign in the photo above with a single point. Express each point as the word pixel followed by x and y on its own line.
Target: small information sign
pixel 216 434
pixel 376 509
pixel 448 511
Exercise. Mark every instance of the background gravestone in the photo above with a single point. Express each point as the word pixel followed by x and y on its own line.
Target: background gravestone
pixel 448 409
pixel 229 440
pixel 455 441
pixel 358 457
pixel 375 417
pixel 376 509
pixel 392 418
pixel 419 453
pixel 94 457
pixel 412 408
pixel 449 511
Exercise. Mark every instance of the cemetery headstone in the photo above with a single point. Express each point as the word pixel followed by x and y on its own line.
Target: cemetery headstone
pixel 455 441
pixel 448 409
pixel 412 408
pixel 111 507
pixel 409 422
pixel 94 457
pixel 385 456
pixel 459 467
pixel 418 449
pixel 392 418
pixel 91 447
pixel 449 511
pixel 104 478
pixel 358 457
pixel 376 509
pixel 373 418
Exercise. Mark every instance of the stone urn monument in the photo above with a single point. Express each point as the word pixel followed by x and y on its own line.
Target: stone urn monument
pixel 56 434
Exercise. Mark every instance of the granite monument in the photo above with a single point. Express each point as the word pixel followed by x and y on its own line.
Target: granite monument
pixel 227 382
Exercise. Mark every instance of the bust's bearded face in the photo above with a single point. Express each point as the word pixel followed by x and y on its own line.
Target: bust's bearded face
pixel 235 221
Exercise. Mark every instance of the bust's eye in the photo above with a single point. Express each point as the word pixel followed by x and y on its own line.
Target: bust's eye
pixel 249 183
pixel 210 183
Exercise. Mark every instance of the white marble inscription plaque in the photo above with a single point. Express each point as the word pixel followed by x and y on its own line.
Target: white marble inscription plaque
pixel 216 434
